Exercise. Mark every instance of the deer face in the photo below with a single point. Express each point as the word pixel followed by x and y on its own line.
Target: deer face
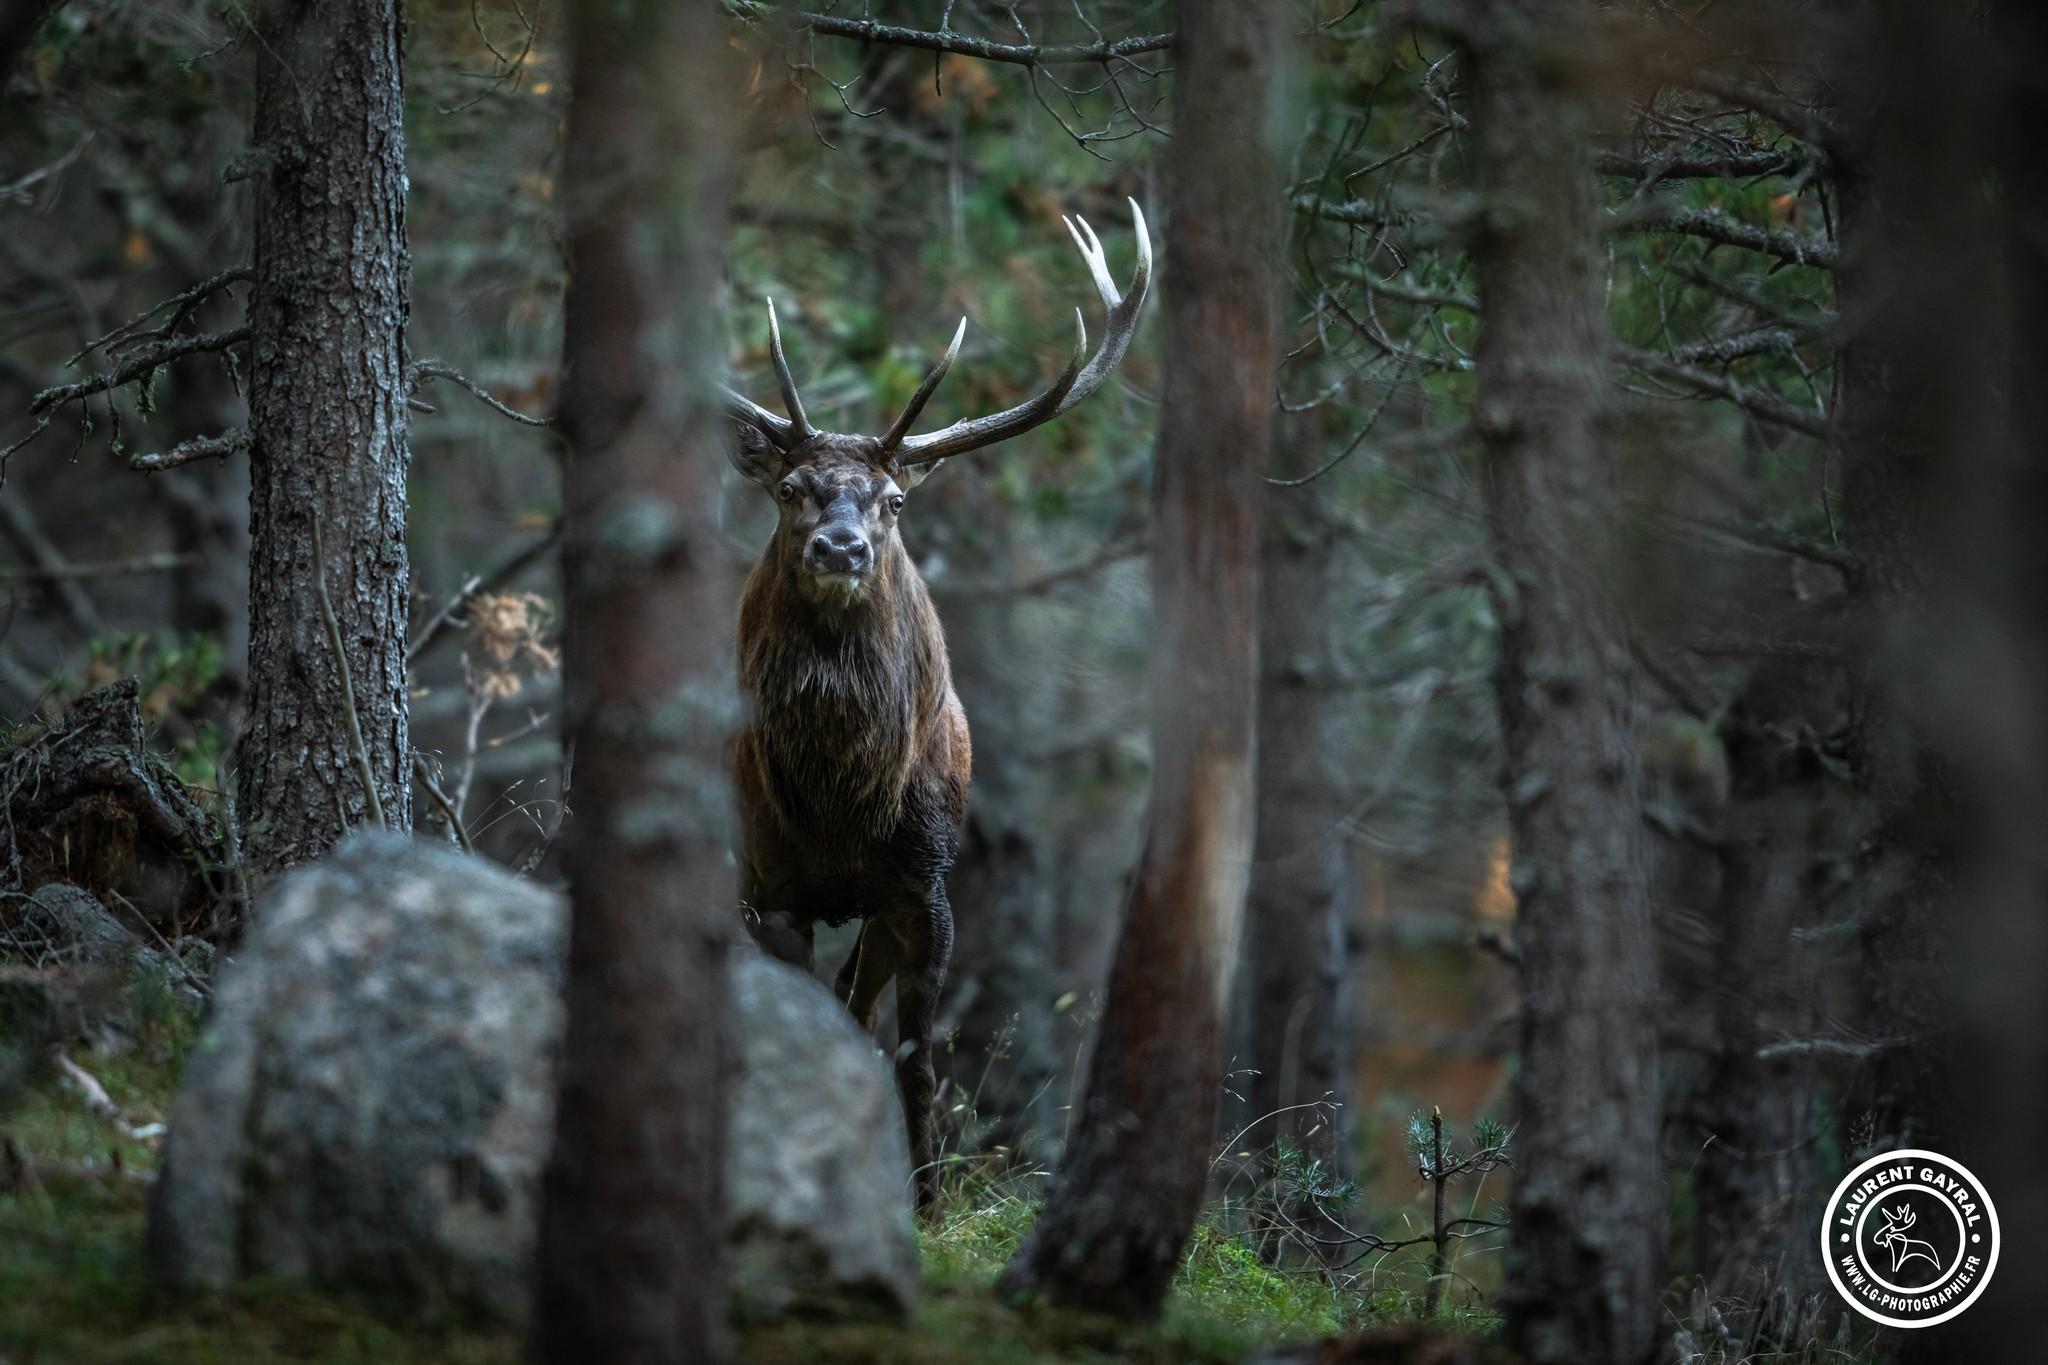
pixel 838 498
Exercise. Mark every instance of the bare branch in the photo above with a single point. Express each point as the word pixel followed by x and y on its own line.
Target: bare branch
pixel 1102 50
pixel 425 371
pixel 425 777
pixel 111 568
pixel 1756 402
pixel 198 448
pixel 357 750
pixel 1719 228
pixel 1700 165
pixel 139 365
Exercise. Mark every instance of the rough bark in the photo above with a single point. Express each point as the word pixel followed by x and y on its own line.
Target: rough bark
pixel 327 411
pixel 1298 960
pixel 1587 1198
pixel 1133 1176
pixel 629 1262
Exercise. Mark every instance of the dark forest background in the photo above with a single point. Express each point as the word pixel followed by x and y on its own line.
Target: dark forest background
pixel 1648 710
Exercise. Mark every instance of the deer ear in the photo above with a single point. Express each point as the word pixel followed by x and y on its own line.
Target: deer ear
pixel 910 476
pixel 753 454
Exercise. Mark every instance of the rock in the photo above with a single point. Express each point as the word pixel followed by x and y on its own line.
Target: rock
pixel 59 922
pixel 369 1106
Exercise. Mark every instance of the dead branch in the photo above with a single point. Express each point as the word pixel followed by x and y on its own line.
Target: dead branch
pixel 1704 383
pixel 358 751
pixel 1714 226
pixel 425 372
pixel 425 777
pixel 198 448
pixel 139 365
pixel 49 563
pixel 489 581
pixel 106 568
pixel 1102 50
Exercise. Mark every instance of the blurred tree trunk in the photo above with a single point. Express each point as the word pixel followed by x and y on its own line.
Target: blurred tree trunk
pixel 1132 1179
pixel 1587 1196
pixel 1916 376
pixel 2005 1042
pixel 1297 961
pixel 1002 1051
pixel 632 1225
pixel 328 421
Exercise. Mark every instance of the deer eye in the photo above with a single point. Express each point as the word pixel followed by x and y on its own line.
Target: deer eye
pixel 787 492
pixel 895 503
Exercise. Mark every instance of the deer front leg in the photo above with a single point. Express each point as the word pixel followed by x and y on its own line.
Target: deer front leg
pixel 869 967
pixel 927 947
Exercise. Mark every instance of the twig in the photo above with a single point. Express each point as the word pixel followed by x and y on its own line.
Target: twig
pixel 357 750
pixel 1712 225
pixel 107 568
pixel 425 777
pixel 49 563
pixel 136 366
pixel 425 371
pixel 1017 54
pixel 1753 401
pixel 533 858
pixel 198 448
pixel 488 581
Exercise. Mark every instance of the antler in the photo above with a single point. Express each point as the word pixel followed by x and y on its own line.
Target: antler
pixel 787 433
pixel 1075 383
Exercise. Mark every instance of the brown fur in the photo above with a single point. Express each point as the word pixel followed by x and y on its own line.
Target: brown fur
pixel 853 762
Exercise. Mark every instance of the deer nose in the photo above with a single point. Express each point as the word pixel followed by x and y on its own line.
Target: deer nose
pixel 837 550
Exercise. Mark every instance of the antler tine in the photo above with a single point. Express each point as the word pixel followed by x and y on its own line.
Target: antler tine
pixel 741 408
pixel 1098 261
pixel 901 428
pixel 800 427
pixel 1079 381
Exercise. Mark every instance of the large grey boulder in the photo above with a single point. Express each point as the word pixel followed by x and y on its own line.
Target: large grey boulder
pixel 369 1105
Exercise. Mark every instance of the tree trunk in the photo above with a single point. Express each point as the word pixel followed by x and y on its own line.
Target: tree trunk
pixel 1133 1177
pixel 2005 1038
pixel 328 418
pixel 1587 1196
pixel 1298 961
pixel 1916 389
pixel 632 1223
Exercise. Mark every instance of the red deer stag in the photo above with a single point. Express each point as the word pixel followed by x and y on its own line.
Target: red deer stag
pixel 852 762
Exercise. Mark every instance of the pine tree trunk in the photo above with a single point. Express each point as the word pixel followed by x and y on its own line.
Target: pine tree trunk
pixel 632 1226
pixel 1133 1177
pixel 328 420
pixel 1298 957
pixel 1587 1195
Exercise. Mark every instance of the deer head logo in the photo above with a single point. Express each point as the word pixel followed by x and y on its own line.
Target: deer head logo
pixel 1892 1236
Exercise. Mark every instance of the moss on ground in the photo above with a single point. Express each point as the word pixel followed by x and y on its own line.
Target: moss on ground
pixel 74 1288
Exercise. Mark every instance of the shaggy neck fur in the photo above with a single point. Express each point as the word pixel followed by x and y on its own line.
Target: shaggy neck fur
pixel 841 689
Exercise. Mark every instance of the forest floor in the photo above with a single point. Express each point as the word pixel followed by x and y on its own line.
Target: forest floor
pixel 74 1287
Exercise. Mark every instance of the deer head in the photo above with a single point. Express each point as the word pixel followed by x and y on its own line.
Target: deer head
pixel 1896 1221
pixel 839 494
